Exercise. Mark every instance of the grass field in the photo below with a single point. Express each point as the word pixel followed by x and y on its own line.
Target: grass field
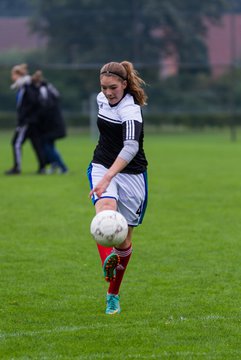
pixel 180 298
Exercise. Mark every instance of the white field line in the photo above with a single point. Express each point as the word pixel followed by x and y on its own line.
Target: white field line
pixel 69 329
pixel 50 331
pixel 165 354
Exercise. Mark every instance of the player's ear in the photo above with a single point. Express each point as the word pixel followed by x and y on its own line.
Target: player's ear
pixel 124 84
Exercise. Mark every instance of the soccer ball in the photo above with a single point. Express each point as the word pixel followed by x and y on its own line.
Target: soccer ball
pixel 109 228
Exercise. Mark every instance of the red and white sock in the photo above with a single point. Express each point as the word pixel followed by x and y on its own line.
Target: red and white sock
pixel 125 255
pixel 104 252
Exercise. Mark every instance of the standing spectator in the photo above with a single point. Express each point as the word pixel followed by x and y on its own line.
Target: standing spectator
pixel 50 121
pixel 117 173
pixel 27 115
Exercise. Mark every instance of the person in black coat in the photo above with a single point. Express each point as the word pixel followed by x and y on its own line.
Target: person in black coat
pixel 51 122
pixel 27 116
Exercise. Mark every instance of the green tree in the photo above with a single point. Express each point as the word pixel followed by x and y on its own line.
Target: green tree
pixel 234 6
pixel 15 8
pixel 84 31
pixel 95 31
pixel 184 26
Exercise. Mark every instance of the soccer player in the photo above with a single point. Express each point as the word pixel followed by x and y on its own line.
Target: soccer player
pixel 118 170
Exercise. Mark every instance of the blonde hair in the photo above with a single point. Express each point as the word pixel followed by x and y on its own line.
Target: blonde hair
pixel 21 69
pixel 125 71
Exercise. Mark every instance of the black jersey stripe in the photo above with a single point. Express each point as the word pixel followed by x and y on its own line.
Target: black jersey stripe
pixel 109 119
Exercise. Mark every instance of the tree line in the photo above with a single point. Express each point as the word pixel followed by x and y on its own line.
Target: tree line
pixel 88 33
pixel 93 31
pixel 142 31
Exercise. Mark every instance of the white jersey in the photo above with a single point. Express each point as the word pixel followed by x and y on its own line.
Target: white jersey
pixel 116 124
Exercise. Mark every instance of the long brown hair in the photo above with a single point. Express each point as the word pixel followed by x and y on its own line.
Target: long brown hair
pixel 125 71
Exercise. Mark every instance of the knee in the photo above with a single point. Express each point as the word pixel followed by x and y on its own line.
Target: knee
pixel 105 204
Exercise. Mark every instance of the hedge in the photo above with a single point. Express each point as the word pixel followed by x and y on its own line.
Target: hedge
pixel 8 119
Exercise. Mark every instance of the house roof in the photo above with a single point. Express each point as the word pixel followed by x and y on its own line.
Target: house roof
pixel 15 33
pixel 224 42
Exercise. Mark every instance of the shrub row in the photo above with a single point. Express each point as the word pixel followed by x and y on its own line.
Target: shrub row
pixel 8 119
pixel 193 120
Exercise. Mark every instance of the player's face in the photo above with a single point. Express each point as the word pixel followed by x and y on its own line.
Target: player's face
pixel 14 76
pixel 113 88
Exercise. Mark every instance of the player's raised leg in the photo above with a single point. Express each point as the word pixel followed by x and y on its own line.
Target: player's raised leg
pixel 124 254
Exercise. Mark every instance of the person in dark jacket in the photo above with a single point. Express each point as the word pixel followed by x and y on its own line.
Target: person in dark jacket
pixel 51 122
pixel 27 111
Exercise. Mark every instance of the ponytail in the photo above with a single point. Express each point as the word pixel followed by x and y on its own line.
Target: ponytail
pixel 135 83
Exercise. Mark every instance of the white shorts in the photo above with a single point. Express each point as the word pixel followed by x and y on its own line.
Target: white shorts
pixel 129 190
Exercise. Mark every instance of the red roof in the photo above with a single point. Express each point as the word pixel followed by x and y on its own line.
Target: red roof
pixel 224 42
pixel 15 33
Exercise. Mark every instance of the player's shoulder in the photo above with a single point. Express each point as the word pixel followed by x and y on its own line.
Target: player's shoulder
pixel 128 100
pixel 128 109
pixel 128 103
pixel 101 98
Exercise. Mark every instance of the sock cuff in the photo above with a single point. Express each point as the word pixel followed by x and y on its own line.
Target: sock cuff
pixel 123 252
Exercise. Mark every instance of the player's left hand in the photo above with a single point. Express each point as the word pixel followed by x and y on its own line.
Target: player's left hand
pixel 100 188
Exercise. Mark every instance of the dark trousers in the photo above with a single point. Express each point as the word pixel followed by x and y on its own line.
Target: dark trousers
pixel 21 134
pixel 53 156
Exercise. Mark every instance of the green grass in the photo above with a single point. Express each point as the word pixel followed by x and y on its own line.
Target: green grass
pixel 180 297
